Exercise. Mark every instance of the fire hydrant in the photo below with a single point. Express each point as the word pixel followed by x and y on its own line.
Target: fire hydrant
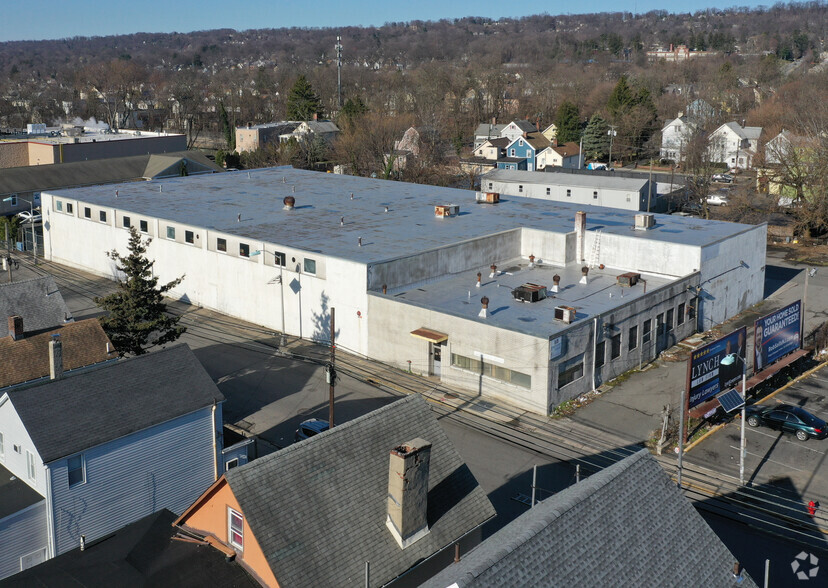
pixel 812 508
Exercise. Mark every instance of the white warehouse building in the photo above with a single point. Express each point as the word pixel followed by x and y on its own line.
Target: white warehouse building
pixel 400 262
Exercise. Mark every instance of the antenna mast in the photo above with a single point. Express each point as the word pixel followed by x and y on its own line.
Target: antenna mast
pixel 338 48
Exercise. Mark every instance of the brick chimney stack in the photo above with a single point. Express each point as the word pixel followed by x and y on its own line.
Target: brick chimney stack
pixel 408 491
pixel 16 327
pixel 55 357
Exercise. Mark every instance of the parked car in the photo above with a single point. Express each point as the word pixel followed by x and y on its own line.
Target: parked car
pixel 723 178
pixel 717 200
pixel 309 428
pixel 27 217
pixel 788 418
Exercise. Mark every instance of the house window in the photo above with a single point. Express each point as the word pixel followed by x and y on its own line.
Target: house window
pixel 14 199
pixel 520 143
pixel 632 341
pixel 75 470
pixel 310 266
pixel 549 191
pixel 680 314
pixel 30 466
pixel 59 205
pixel 235 528
pixel 171 233
pixel 615 346
pixel 568 193
pixel 570 370
pixel 595 195
pixel 221 244
pixel 600 353
pixel 127 222
pixel 645 331
pixel 669 322
pixel 659 324
pixel 520 188
pixel 279 258
pixel 144 226
pixel 490 185
pixel 69 208
pixel 87 212
pixel 244 250
pixel 189 236
pixel 102 215
pixel 513 152
pixel 233 463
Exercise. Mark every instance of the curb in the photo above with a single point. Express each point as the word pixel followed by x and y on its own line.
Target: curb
pixel 768 397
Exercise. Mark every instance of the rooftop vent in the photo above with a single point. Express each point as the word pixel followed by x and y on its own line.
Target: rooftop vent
pixel 644 222
pixel 487 197
pixel 446 210
pixel 565 314
pixel 529 293
pixel 289 202
pixel 629 279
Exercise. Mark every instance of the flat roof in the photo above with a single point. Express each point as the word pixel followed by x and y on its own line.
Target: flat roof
pixel 215 202
pixel 15 494
pixel 566 179
pixel 458 296
pixel 89 136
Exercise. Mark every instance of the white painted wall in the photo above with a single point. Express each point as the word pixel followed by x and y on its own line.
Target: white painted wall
pixel 14 433
pixel 21 534
pixel 538 189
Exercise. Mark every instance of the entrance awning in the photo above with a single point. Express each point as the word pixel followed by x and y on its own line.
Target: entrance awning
pixel 429 335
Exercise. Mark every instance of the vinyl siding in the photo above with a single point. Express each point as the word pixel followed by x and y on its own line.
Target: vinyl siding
pixel 166 466
pixel 21 534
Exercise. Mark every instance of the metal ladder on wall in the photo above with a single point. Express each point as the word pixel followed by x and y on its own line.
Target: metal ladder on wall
pixel 596 250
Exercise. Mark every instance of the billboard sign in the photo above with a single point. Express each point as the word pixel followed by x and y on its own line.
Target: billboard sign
pixel 707 376
pixel 777 334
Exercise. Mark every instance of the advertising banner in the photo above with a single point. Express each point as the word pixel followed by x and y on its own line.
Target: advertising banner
pixel 707 375
pixel 777 334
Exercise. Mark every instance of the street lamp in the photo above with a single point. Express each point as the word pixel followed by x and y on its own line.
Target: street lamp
pixel 730 359
pixel 280 260
pixel 31 222
pixel 809 273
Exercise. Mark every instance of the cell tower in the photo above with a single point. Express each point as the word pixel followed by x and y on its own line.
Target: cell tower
pixel 338 48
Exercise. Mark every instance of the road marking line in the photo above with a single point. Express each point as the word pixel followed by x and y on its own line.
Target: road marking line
pixel 768 459
pixel 800 445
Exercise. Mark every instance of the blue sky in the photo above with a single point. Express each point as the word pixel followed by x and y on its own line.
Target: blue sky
pixel 55 19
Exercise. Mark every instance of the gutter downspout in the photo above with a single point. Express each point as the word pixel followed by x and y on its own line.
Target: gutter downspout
pixel 594 350
pixel 215 448
pixel 50 519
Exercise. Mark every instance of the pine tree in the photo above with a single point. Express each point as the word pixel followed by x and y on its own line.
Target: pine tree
pixel 596 141
pixel 353 109
pixel 621 99
pixel 137 314
pixel 229 131
pixel 302 101
pixel 568 122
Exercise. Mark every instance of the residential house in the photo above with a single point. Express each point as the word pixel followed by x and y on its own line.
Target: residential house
pixel 675 136
pixel 37 302
pixel 324 129
pixel 112 445
pixel 486 131
pixel 517 128
pixel 701 111
pixel 253 137
pixel 734 145
pixel 492 149
pixel 551 132
pixel 627 525
pixel 148 552
pixel 526 147
pixel 387 488
pixel 405 149
pixel 567 156
pixel 789 159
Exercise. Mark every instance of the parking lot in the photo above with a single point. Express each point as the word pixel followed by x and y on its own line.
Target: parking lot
pixel 773 456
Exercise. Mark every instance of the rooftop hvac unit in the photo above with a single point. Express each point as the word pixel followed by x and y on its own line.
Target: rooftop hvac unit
pixel 488 197
pixel 529 293
pixel 644 222
pixel 565 314
pixel 446 210
pixel 629 279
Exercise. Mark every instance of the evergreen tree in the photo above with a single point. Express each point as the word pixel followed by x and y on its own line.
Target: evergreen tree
pixel 568 122
pixel 138 318
pixel 302 101
pixel 596 141
pixel 228 131
pixel 621 99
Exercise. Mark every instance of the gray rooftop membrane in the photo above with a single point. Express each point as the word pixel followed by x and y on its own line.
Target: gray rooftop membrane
pixel 215 201
pixel 459 296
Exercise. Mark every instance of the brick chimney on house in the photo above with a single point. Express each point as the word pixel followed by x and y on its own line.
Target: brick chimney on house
pixel 16 327
pixel 55 357
pixel 408 491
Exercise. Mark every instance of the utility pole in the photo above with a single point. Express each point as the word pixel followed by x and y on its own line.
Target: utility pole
pixel 338 48
pixel 332 371
pixel 611 132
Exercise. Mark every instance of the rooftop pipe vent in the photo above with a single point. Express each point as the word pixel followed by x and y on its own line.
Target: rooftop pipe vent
pixel 290 202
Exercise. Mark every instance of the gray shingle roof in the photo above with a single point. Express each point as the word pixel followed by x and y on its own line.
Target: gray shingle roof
pixel 318 508
pixel 98 406
pixel 38 301
pixel 627 525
